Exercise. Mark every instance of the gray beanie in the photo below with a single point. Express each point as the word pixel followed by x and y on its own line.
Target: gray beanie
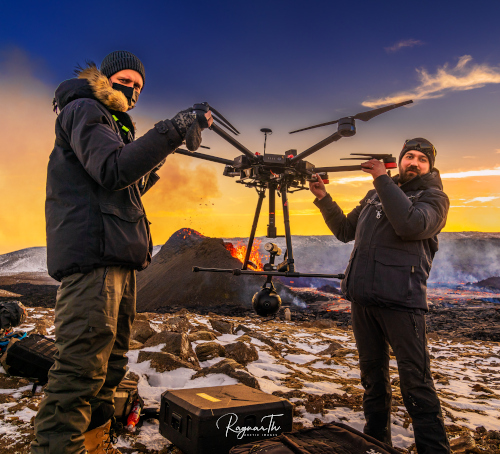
pixel 119 60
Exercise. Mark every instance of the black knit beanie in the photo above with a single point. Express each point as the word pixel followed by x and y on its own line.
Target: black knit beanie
pixel 422 145
pixel 119 60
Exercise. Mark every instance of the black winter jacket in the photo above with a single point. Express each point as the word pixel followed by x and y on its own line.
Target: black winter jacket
pixel 94 213
pixel 395 238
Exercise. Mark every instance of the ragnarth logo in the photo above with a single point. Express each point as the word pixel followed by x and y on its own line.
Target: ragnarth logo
pixel 267 428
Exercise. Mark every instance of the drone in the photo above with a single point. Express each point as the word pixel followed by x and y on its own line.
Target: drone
pixel 280 174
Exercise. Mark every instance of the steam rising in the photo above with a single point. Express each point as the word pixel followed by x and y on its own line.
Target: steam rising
pixel 27 140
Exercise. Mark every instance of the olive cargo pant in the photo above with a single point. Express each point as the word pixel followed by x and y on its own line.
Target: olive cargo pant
pixel 93 318
pixel 375 328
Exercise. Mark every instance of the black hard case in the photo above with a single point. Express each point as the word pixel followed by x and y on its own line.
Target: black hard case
pixel 197 420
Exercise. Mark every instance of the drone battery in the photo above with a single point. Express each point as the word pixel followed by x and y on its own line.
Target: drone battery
pixel 274 159
pixel 213 420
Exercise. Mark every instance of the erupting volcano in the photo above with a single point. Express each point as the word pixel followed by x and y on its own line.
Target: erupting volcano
pixel 169 280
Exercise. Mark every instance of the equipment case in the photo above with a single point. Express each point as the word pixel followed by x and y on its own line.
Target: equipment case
pixel 213 420
pixel 30 357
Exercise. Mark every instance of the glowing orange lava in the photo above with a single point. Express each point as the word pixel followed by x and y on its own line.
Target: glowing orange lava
pixel 239 251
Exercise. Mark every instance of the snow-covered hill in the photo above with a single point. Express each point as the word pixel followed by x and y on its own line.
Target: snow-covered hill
pixel 462 256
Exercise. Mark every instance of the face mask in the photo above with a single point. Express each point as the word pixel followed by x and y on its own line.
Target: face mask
pixel 129 92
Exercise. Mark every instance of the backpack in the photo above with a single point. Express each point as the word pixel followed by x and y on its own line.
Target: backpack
pixel 333 438
pixel 12 314
pixel 125 395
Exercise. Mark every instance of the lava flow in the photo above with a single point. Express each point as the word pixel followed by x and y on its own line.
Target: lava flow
pixel 240 251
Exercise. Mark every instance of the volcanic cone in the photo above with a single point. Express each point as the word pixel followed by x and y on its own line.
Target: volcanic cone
pixel 170 281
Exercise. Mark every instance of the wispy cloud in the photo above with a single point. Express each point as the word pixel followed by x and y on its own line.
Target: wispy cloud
pixel 472 173
pixel 445 176
pixel 403 43
pixel 463 76
pixel 498 150
pixel 468 157
pixel 483 199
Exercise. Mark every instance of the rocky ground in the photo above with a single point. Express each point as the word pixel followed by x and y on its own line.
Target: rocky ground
pixel 310 360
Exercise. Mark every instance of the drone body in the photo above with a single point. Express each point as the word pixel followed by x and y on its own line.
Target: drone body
pixel 282 174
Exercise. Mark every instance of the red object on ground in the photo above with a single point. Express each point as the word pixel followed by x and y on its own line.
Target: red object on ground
pixel 134 415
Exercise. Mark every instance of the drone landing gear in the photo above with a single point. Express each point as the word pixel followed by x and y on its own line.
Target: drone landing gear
pixel 287 267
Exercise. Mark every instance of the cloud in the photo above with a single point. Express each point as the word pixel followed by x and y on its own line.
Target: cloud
pixel 469 157
pixel 497 150
pixel 403 43
pixel 464 76
pixel 472 173
pixel 445 176
pixel 483 199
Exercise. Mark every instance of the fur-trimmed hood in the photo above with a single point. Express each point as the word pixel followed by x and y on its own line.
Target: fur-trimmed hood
pixel 90 83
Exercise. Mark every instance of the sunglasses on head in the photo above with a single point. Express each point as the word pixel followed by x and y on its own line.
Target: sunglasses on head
pixel 424 147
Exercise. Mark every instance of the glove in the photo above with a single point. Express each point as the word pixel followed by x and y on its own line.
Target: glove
pixel 189 124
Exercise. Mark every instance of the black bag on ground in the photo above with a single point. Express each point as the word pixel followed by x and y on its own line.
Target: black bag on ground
pixel 12 314
pixel 333 438
pixel 125 395
pixel 31 357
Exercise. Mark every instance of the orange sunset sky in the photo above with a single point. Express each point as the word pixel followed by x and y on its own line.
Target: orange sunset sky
pixel 456 107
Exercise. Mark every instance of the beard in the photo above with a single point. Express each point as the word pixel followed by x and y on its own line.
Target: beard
pixel 404 176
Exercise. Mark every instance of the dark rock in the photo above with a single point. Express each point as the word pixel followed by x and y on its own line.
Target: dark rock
pixel 232 369
pixel 141 331
pixel 321 324
pixel 175 343
pixel 241 352
pixel 264 339
pixel 331 349
pixel 179 324
pixel 164 362
pixel 243 328
pixel 222 326
pixel 209 350
pixel 202 335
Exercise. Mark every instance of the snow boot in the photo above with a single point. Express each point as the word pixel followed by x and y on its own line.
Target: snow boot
pixel 100 440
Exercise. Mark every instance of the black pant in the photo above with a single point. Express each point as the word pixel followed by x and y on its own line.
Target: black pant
pixel 375 328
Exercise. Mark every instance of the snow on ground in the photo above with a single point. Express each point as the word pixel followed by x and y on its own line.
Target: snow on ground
pixel 290 364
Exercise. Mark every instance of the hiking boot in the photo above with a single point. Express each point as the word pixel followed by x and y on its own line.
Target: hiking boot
pixel 100 440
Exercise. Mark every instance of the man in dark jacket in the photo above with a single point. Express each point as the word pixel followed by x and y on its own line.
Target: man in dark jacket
pixel 394 229
pixel 97 237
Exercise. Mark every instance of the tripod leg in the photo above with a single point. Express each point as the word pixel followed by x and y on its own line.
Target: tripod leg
pixel 271 228
pixel 288 235
pixel 262 194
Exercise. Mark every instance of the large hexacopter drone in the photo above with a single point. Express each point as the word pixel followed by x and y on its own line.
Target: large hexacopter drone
pixel 281 173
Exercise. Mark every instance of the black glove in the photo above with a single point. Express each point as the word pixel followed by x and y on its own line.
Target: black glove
pixel 189 125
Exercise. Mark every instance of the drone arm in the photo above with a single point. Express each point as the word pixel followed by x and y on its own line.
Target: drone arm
pixel 333 138
pixel 219 131
pixel 206 157
pixel 337 169
pixel 342 226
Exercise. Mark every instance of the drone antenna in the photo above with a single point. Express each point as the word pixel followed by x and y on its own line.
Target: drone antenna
pixel 266 131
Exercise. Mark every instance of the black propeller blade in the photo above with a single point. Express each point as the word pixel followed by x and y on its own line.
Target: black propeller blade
pixel 369 114
pixel 363 116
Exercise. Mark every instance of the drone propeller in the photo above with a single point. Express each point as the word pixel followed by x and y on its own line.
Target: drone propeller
pixel 363 116
pixel 368 156
pixel 223 122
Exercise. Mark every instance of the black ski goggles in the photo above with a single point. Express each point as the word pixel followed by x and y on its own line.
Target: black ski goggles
pixel 424 147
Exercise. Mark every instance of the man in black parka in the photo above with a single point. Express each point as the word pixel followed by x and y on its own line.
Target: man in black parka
pixel 97 237
pixel 394 229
